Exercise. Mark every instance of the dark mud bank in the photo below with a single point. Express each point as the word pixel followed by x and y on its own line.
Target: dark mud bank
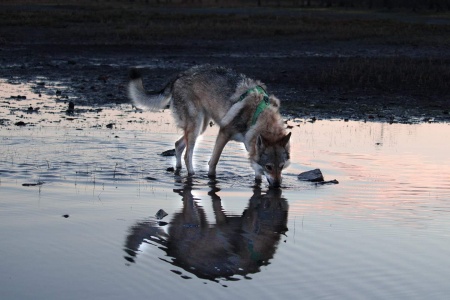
pixel 305 82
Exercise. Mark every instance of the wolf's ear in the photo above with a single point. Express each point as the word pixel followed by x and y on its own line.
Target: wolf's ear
pixel 260 142
pixel 285 139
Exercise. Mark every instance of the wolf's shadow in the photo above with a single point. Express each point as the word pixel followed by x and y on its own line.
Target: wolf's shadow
pixel 234 245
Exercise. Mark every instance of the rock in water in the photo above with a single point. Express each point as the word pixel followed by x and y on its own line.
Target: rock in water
pixel 170 152
pixel 313 176
pixel 160 214
pixel 20 123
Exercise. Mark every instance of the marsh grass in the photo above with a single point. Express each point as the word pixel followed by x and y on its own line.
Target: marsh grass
pixel 135 23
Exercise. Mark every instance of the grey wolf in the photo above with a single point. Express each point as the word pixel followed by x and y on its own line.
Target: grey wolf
pixel 239 105
pixel 223 247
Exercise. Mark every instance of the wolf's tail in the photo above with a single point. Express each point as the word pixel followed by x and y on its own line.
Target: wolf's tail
pixel 147 100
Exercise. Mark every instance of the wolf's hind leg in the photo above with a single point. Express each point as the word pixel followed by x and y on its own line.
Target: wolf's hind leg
pixel 191 133
pixel 180 145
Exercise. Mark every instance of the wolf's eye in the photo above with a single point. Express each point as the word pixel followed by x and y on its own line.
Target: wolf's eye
pixel 269 168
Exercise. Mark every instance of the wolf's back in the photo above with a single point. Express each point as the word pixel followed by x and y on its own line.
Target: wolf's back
pixel 147 100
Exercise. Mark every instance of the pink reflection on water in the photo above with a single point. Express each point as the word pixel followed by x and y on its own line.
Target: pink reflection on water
pixel 398 172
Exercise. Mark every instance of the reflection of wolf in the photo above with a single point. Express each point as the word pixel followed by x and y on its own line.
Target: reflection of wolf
pixel 234 245
pixel 239 105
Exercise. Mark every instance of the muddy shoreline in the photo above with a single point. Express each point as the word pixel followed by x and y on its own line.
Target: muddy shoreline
pixel 344 78
pixel 97 75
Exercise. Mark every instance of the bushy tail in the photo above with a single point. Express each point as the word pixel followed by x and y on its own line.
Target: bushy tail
pixel 147 100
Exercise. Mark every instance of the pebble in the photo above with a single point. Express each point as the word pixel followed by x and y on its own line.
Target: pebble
pixel 170 152
pixel 161 214
pixel 313 176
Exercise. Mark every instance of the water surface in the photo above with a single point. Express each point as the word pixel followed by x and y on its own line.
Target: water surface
pixel 79 194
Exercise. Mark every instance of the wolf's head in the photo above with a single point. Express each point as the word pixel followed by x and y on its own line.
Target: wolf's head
pixel 271 158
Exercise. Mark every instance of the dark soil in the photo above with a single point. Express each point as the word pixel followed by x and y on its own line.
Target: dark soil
pixel 363 78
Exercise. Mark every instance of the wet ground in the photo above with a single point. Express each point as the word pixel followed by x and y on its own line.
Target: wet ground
pixel 99 74
pixel 81 193
pixel 321 63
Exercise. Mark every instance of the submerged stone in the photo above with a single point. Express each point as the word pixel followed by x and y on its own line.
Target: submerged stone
pixel 334 181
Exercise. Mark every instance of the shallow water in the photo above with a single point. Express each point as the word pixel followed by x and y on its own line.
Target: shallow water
pixel 79 198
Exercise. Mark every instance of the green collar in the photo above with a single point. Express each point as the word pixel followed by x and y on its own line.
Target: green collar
pixel 262 105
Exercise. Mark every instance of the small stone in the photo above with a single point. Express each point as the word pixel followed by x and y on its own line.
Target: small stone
pixel 170 152
pixel 313 176
pixel 20 123
pixel 33 184
pixel 19 97
pixel 312 120
pixel 161 214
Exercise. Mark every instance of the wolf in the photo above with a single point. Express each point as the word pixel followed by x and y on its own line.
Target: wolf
pixel 239 105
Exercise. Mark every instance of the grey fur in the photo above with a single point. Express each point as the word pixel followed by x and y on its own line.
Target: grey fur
pixel 207 92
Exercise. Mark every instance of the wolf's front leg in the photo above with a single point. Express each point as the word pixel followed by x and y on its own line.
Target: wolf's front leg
pixel 258 176
pixel 188 160
pixel 221 141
